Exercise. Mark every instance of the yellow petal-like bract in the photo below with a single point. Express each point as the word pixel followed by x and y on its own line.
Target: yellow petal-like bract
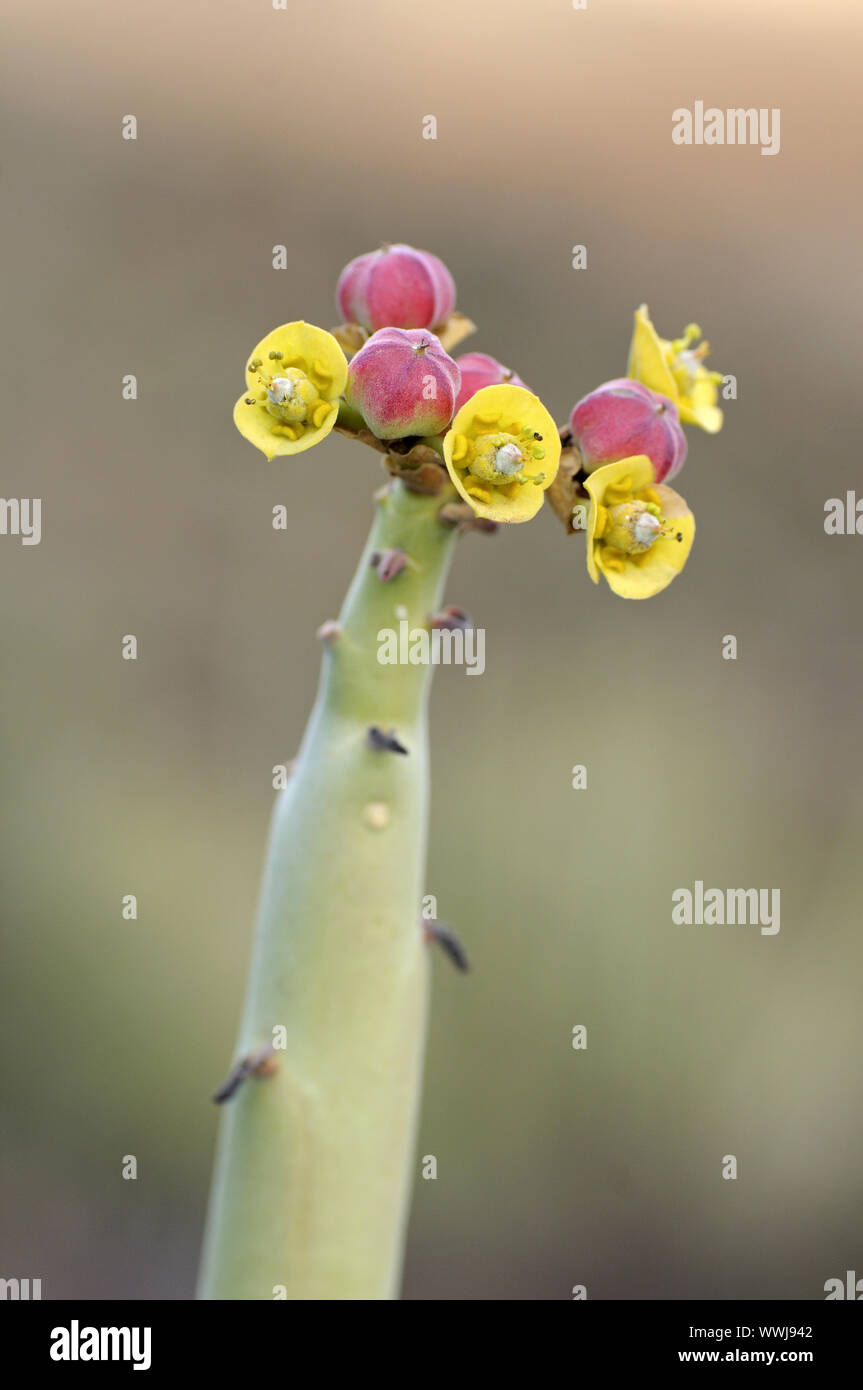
pixel 502 452
pixel 294 378
pixel 642 562
pixel 676 369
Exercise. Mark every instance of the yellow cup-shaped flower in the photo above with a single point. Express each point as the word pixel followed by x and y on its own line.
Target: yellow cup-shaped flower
pixel 502 452
pixel 294 378
pixel 676 369
pixel 639 533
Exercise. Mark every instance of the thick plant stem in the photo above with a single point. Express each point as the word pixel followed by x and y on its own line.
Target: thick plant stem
pixel 315 1161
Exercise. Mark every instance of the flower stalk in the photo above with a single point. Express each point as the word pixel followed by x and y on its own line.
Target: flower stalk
pixel 315 1155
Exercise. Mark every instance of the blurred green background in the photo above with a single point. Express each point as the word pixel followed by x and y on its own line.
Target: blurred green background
pixel 258 127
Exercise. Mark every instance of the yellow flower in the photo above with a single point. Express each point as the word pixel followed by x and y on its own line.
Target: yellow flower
pixel 294 378
pixel 676 369
pixel 502 452
pixel 639 533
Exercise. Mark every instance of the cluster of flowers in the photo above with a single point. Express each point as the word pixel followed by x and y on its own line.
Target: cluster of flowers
pixel 605 472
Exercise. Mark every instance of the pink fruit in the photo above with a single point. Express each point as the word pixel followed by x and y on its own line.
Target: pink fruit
pixel 479 370
pixel 403 383
pixel 623 418
pixel 396 287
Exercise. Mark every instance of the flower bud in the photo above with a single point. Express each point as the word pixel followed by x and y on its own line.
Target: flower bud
pixel 623 418
pixel 396 287
pixel 479 370
pixel 403 383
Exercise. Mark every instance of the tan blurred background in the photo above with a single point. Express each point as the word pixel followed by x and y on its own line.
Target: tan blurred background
pixel 304 128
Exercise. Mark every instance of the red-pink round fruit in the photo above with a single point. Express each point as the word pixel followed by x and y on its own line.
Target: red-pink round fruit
pixel 396 287
pixel 479 370
pixel 403 383
pixel 623 418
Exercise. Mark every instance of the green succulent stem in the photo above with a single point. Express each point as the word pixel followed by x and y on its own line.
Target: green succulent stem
pixel 349 417
pixel 315 1161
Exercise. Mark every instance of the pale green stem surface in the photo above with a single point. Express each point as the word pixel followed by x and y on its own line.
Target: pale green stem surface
pixel 315 1164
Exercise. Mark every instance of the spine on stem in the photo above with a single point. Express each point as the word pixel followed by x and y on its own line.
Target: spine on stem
pixel 315 1154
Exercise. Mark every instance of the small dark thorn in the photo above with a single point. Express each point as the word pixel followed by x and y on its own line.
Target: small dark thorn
pixel 446 938
pixel 461 515
pixel 451 617
pixel 389 564
pixel 380 742
pixel 258 1064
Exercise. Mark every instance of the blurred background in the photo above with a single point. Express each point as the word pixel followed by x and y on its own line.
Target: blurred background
pixel 258 127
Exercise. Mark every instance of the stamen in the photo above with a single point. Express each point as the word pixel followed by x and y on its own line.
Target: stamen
pixel 690 334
